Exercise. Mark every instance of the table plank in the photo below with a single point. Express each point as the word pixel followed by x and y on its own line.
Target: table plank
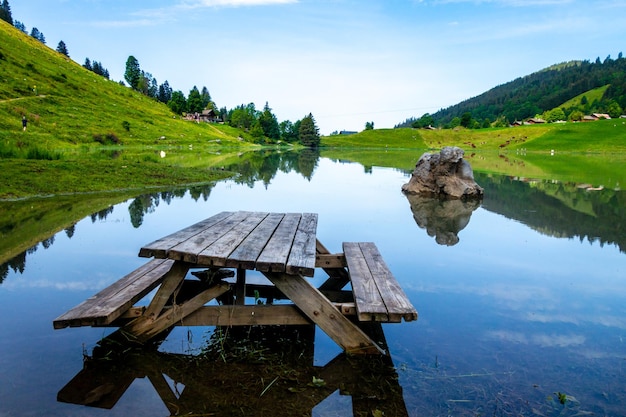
pixel 246 254
pixel 395 299
pixel 160 247
pixel 189 249
pixel 363 284
pixel 217 253
pixel 302 256
pixel 276 253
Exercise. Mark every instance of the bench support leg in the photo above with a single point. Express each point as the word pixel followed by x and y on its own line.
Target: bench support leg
pixel 323 313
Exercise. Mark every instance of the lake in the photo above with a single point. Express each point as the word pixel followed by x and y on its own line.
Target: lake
pixel 521 298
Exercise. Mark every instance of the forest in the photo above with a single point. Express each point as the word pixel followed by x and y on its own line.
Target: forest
pixel 543 94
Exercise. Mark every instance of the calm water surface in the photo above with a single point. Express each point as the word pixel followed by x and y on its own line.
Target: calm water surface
pixel 519 299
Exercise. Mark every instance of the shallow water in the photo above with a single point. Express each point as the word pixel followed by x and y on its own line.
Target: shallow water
pixel 525 298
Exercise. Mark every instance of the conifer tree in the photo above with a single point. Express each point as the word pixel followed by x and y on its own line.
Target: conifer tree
pixel 62 49
pixel 5 12
pixel 132 75
pixel 309 133
pixel 269 123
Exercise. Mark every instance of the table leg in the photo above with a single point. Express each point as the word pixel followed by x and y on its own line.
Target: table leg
pixel 240 288
pixel 323 313
pixel 155 319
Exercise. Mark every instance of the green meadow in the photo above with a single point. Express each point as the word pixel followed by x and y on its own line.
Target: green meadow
pixel 87 134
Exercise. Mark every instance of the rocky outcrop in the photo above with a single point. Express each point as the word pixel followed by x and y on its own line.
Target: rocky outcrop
pixel 445 174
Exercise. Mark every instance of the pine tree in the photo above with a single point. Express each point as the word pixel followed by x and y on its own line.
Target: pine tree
pixel 309 133
pixel 5 12
pixel 269 123
pixel 87 64
pixel 165 92
pixel 62 49
pixel 207 102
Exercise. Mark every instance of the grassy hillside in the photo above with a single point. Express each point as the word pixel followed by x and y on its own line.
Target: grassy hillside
pixel 87 132
pixel 604 136
pixel 67 105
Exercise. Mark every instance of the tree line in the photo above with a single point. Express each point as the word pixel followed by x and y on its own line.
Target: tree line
pixel 262 125
pixel 540 94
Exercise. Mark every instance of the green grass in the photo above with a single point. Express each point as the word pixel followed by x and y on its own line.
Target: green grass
pixel 380 138
pixel 591 95
pixel 89 134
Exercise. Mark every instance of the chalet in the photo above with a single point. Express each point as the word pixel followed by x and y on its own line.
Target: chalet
pixel 209 116
pixel 534 121
pixel 595 116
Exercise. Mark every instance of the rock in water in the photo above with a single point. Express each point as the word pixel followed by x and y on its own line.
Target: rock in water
pixel 445 174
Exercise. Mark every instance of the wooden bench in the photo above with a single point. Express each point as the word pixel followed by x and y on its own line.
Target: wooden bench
pixel 377 295
pixel 110 303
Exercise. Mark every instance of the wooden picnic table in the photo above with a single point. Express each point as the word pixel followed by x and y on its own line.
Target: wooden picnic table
pixel 285 249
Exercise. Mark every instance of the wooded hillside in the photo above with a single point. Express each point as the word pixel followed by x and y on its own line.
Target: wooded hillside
pixel 538 93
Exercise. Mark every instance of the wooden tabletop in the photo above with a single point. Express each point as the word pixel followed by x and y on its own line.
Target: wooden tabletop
pixel 269 242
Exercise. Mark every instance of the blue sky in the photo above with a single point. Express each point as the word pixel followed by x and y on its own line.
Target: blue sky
pixel 347 62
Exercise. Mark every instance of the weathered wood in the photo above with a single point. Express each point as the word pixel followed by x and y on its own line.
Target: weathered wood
pixel 240 287
pixel 220 250
pixel 276 253
pixel 146 327
pixel 158 247
pixel 247 253
pixel 369 302
pixel 189 249
pixel 236 315
pixel 108 304
pixel 337 276
pixel 323 313
pixel 171 282
pixel 248 315
pixel 377 294
pixel 302 256
pixel 396 301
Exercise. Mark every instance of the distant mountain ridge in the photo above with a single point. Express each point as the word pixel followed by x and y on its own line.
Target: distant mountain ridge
pixel 538 93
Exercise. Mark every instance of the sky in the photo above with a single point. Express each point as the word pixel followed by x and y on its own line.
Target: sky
pixel 347 62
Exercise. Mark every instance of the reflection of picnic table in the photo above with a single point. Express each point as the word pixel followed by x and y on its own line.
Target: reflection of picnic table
pixel 281 379
pixel 284 248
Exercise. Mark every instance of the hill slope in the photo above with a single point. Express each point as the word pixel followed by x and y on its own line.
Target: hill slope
pixel 66 104
pixel 543 91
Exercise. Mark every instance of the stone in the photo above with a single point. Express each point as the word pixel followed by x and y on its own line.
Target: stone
pixel 442 219
pixel 445 175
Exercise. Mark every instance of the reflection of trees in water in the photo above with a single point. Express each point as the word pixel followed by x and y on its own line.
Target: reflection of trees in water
pixel 264 165
pixel 253 167
pixel 559 209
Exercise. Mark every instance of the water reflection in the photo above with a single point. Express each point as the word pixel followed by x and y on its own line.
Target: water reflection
pixel 443 219
pixel 558 209
pixel 550 207
pixel 241 371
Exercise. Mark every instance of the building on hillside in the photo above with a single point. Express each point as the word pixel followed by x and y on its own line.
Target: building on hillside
pixel 209 116
pixel 595 116
pixel 348 132
pixel 534 121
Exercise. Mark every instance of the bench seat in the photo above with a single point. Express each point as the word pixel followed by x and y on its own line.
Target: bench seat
pixel 110 303
pixel 377 294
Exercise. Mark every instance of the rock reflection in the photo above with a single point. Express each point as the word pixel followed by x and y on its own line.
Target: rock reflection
pixel 242 371
pixel 443 219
